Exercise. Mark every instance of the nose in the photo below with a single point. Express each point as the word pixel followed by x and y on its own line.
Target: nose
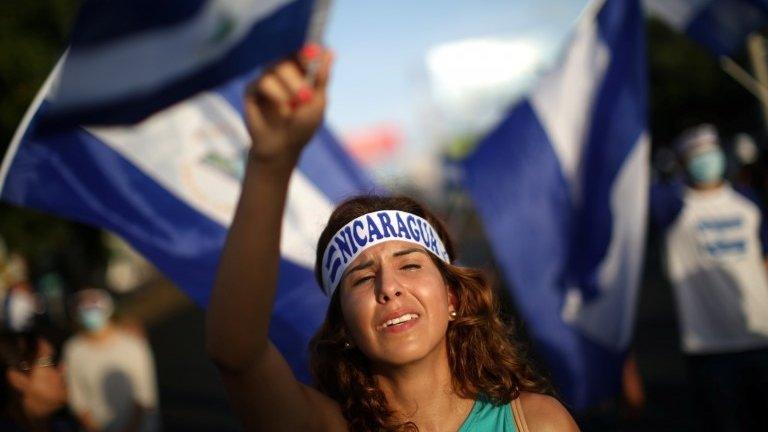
pixel 389 286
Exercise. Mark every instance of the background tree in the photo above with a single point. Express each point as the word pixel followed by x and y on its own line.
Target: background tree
pixel 33 35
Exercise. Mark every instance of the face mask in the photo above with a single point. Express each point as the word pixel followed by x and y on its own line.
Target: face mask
pixel 93 319
pixel 21 311
pixel 707 167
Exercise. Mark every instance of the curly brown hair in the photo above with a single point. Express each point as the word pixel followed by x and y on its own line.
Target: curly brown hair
pixel 484 359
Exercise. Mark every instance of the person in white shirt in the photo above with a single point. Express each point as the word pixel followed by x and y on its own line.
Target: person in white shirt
pixel 110 372
pixel 716 241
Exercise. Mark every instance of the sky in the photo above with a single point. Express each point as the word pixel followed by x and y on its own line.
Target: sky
pixel 397 61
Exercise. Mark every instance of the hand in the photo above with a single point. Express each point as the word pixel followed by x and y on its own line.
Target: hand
pixel 283 110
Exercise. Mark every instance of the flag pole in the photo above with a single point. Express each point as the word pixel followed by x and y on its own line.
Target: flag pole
pixel 757 55
pixel 741 76
pixel 757 84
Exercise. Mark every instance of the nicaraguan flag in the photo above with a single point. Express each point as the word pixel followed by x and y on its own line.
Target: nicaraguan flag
pixel 720 25
pixel 130 58
pixel 561 186
pixel 169 186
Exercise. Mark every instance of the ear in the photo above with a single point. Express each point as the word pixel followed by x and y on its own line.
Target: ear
pixel 451 299
pixel 17 379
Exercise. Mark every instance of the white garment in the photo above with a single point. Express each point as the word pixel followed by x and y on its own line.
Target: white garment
pixel 107 379
pixel 716 266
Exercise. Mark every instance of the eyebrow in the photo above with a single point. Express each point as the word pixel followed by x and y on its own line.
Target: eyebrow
pixel 361 266
pixel 369 263
pixel 407 251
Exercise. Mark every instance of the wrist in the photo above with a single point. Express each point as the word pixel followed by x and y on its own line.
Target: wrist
pixel 276 166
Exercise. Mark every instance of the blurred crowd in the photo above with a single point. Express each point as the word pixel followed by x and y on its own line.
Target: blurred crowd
pixel 68 361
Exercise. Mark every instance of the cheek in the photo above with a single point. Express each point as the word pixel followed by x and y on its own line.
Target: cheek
pixel 430 288
pixel 42 386
pixel 358 313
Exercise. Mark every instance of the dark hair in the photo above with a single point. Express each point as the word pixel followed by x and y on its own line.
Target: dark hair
pixel 483 358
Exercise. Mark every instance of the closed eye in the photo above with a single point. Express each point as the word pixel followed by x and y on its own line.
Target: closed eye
pixel 362 280
pixel 410 267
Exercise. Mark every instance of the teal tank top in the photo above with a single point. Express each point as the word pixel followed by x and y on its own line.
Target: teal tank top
pixel 487 417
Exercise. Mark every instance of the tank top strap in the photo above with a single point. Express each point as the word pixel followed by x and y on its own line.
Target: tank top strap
pixel 518 416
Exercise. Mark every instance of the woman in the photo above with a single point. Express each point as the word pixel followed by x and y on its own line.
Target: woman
pixel 410 341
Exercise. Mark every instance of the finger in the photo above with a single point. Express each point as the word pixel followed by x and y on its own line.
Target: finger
pixel 292 78
pixel 324 71
pixel 255 121
pixel 310 52
pixel 270 89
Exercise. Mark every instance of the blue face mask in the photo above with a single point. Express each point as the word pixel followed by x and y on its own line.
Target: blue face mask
pixel 707 167
pixel 93 319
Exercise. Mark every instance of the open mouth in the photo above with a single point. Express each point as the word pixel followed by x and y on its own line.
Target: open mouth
pixel 398 321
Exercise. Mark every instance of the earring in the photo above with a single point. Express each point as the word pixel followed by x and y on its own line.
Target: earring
pixel 452 315
pixel 347 346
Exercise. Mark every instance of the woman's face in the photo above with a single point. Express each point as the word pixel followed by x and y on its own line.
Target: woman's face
pixel 395 303
pixel 43 382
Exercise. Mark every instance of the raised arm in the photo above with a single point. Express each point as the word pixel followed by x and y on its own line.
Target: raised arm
pixel 282 113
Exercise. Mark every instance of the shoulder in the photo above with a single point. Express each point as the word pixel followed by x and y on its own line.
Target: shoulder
pixel 73 346
pixel 130 340
pixel 544 414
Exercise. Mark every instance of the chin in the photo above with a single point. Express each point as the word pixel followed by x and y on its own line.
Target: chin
pixel 399 359
pixel 405 353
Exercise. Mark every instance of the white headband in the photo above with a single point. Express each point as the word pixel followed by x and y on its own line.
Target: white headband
pixel 369 230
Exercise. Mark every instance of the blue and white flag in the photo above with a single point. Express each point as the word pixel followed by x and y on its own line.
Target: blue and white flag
pixel 561 186
pixel 169 186
pixel 130 58
pixel 720 25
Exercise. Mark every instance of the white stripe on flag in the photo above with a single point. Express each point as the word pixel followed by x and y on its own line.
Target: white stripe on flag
pixel 619 273
pixel 196 151
pixel 306 214
pixel 193 149
pixel 563 98
pixel 172 52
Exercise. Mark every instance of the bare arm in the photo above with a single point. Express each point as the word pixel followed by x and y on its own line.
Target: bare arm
pixel 632 386
pixel 263 390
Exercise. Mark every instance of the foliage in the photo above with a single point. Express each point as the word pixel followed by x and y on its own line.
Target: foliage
pixel 33 35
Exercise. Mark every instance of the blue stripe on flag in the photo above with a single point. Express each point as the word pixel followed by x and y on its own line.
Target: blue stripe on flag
pixel 534 225
pixel 279 35
pixel 724 25
pixel 299 311
pixel 101 22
